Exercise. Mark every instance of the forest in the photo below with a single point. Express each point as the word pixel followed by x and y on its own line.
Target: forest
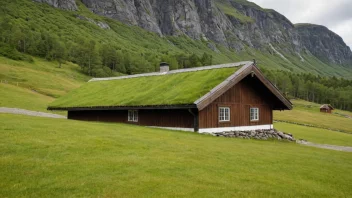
pixel 96 59
pixel 313 88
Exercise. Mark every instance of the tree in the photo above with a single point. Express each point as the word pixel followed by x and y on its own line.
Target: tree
pixel 109 56
pixel 59 52
pixel 206 59
pixel 194 61
pixel 87 56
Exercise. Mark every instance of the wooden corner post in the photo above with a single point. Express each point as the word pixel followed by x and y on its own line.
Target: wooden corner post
pixel 195 114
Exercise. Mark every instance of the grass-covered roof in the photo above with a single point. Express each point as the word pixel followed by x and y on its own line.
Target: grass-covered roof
pixel 182 88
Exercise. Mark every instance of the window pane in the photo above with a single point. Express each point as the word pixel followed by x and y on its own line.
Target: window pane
pixel 254 113
pixel 224 114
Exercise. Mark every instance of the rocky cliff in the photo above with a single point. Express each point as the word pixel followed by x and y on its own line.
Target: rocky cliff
pixel 235 24
pixel 324 44
pixel 225 22
pixel 63 4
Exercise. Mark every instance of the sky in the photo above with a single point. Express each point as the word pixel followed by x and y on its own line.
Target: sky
pixel 334 14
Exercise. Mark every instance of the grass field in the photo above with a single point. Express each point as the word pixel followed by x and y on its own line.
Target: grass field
pixel 18 97
pixel 308 113
pixel 43 157
pixel 42 76
pixel 33 86
pixel 316 135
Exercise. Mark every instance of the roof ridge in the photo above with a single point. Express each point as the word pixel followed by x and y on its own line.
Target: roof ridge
pixel 175 71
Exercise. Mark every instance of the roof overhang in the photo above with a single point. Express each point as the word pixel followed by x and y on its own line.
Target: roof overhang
pixel 249 69
pixel 327 106
pixel 96 108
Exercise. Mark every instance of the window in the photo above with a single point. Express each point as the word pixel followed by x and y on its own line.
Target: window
pixel 254 114
pixel 224 114
pixel 133 115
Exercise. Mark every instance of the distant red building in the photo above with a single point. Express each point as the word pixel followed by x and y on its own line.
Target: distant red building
pixel 326 108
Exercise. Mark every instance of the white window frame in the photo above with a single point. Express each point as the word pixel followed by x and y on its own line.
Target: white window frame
pixel 255 115
pixel 132 115
pixel 222 114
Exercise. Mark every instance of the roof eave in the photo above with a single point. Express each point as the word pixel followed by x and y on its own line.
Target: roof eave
pixel 209 97
pixel 96 108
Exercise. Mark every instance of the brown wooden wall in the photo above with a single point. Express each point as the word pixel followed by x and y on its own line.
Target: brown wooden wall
pixel 181 118
pixel 246 94
pixel 325 110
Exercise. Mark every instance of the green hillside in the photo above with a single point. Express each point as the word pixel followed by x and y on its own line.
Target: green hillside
pixel 61 158
pixel 41 30
pixel 42 76
pixel 309 113
pixel 18 97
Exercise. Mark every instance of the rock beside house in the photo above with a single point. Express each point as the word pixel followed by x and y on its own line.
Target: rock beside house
pixel 257 134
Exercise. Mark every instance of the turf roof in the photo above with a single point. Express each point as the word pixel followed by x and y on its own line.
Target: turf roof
pixel 170 89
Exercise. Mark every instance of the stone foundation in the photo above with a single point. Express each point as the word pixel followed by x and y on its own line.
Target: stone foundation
pixel 271 134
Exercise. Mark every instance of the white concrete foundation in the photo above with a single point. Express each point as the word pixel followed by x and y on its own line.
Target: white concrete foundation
pixel 222 129
pixel 241 128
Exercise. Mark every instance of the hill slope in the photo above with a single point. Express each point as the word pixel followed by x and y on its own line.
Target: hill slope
pixel 101 43
pixel 42 76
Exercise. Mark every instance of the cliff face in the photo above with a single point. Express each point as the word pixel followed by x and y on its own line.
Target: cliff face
pixel 63 4
pixel 324 44
pixel 231 23
pixel 207 19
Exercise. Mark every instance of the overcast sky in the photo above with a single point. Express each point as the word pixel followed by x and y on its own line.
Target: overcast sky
pixel 334 14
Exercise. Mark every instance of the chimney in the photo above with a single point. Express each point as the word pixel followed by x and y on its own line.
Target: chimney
pixel 164 67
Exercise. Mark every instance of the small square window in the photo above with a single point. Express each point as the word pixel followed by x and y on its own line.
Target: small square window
pixel 254 114
pixel 133 115
pixel 224 114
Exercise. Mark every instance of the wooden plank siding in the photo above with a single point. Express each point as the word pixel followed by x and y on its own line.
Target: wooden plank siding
pixel 180 118
pixel 249 92
pixel 325 110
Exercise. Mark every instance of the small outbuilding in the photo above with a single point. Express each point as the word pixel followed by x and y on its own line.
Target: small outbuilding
pixel 228 97
pixel 326 108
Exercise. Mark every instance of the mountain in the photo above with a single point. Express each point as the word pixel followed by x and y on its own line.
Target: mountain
pixel 228 30
pixel 231 23
pixel 324 44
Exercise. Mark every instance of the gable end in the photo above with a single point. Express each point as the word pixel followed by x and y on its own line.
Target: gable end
pixel 246 70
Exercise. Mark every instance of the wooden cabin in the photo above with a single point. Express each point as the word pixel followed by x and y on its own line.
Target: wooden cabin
pixel 326 108
pixel 208 99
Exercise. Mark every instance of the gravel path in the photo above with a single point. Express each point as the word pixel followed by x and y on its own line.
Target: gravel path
pixel 326 146
pixel 30 113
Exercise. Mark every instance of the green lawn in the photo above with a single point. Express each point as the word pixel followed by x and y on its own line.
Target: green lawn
pixel 308 113
pixel 316 135
pixel 43 157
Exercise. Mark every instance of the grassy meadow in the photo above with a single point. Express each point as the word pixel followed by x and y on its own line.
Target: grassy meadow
pixel 17 97
pixel 316 135
pixel 42 76
pixel 309 113
pixel 43 157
